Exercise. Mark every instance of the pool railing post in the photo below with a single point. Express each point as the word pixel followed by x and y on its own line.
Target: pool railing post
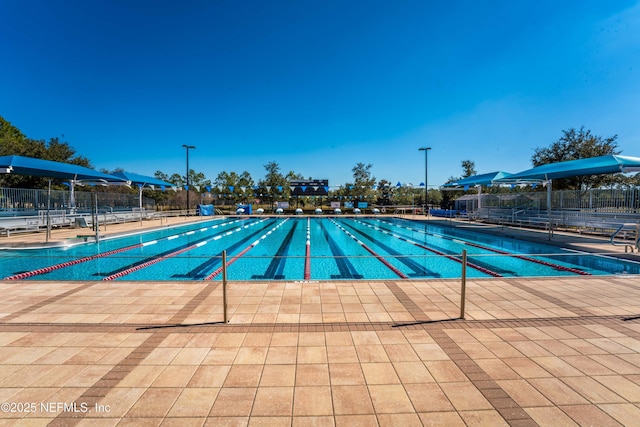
pixel 464 282
pixel 224 285
pixel 48 236
pixel 96 223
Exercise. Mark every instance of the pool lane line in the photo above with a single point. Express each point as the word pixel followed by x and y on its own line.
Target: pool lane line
pixel 54 267
pixel 51 268
pixel 345 266
pixel 537 261
pixel 151 262
pixel 498 251
pixel 418 269
pixel 204 268
pixel 174 253
pixel 435 251
pixel 177 251
pixel 279 259
pixel 371 251
pixel 307 256
pixel 244 251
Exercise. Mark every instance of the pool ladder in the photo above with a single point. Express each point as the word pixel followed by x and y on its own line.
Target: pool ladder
pixel 629 230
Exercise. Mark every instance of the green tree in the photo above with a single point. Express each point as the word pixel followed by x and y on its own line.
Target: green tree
pixel 198 179
pixel 234 187
pixel 447 198
pixel 573 145
pixel 362 175
pixel 107 171
pixel 273 180
pixel 363 181
pixel 384 192
pixel 161 176
pixel 630 181
pixel 468 168
pixel 273 177
pixel 435 196
pixel 294 176
pixel 161 197
pixel 59 151
pixel 409 195
pixel 14 142
pixel 177 180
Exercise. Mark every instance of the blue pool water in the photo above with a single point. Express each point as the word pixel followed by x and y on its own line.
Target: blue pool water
pixel 300 248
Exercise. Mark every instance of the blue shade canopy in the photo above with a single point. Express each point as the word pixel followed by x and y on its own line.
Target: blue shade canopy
pixel 483 179
pixel 591 166
pixel 144 181
pixel 49 169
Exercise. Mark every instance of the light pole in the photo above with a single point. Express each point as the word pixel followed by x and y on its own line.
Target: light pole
pixel 187 175
pixel 426 178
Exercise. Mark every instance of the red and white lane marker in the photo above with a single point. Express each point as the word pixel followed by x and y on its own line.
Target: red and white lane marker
pixel 51 268
pixel 69 263
pixel 435 251
pixel 151 262
pixel 372 252
pixel 244 251
pixel 501 252
pixel 172 254
pixel 307 259
pixel 534 260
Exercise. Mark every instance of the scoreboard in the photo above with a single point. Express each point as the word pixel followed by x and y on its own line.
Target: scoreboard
pixel 310 187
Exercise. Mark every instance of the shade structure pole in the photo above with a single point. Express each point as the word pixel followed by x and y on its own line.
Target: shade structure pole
pixel 549 185
pixel 48 213
pixel 96 223
pixel 72 196
pixel 187 175
pixel 140 201
pixel 426 178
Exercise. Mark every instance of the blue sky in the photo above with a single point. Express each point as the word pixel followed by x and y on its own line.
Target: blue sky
pixel 319 86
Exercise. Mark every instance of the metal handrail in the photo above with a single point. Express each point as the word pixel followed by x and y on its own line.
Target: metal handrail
pixel 633 227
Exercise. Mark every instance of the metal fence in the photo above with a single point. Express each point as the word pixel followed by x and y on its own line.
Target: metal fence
pixel 23 201
pixel 597 200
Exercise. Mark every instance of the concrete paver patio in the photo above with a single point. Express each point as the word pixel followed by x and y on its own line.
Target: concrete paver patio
pixel 545 351
pixel 530 352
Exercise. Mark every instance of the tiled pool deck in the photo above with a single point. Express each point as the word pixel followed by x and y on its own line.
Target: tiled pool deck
pixel 557 351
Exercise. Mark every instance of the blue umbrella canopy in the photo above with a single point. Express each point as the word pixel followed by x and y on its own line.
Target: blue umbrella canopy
pixel 142 180
pixel 49 169
pixel 581 167
pixel 482 179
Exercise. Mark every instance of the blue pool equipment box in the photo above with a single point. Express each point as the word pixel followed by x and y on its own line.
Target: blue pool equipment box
pixel 247 209
pixel 205 210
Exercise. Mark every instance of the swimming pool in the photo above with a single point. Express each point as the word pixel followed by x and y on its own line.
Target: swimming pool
pixel 304 248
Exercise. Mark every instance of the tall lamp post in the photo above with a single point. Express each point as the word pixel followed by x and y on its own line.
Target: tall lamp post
pixel 187 175
pixel 426 178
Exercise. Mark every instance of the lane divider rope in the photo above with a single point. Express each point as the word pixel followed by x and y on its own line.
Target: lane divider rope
pixel 522 257
pixel 244 251
pixel 151 262
pixel 172 254
pixel 51 268
pixel 435 251
pixel 372 252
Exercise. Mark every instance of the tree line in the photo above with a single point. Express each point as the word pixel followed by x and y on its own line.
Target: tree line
pixel 241 187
